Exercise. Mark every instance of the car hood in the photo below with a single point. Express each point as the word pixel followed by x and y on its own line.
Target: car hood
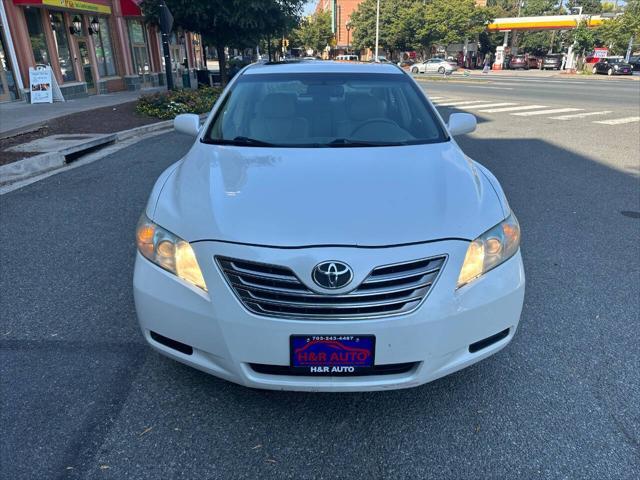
pixel 327 196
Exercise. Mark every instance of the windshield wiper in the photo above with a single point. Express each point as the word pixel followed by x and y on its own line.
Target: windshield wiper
pixel 346 142
pixel 240 142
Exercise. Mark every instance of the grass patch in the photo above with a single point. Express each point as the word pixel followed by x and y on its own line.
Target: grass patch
pixel 166 105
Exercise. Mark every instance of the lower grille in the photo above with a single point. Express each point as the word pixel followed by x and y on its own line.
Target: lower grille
pixel 276 291
pixel 391 369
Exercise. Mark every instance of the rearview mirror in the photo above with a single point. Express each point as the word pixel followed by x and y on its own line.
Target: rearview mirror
pixel 461 123
pixel 188 123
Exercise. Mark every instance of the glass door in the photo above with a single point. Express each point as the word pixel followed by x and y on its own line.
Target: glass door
pixel 87 66
pixel 5 93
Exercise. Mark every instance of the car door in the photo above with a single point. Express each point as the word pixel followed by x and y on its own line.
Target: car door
pixel 431 65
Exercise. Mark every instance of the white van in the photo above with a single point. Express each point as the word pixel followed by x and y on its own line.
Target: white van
pixel 347 58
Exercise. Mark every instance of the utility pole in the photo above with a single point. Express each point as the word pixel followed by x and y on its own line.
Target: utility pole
pixel 377 28
pixel 166 24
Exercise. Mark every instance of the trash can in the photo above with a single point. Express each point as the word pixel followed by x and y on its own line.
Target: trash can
pixel 203 77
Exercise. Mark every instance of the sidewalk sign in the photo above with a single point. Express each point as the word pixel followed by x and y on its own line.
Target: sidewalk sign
pixel 43 85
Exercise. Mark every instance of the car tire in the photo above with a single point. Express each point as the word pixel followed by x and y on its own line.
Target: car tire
pixel 594 71
pixel 414 70
pixel 610 72
pixel 441 70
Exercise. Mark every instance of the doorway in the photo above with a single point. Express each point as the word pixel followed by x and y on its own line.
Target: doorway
pixel 8 90
pixel 87 66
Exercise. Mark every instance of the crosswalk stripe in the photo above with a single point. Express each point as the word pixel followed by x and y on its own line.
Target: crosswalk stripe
pixel 580 115
pixel 491 105
pixel 548 112
pixel 512 109
pixel 458 103
pixel 618 121
pixel 435 98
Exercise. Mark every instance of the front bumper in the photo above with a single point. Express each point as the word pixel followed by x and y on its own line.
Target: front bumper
pixel 225 339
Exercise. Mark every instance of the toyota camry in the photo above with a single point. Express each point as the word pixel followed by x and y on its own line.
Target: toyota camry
pixel 325 232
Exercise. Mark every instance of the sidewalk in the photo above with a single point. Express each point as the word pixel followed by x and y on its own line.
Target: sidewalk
pixel 21 116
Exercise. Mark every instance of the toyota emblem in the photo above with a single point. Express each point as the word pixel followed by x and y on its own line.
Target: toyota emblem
pixel 332 274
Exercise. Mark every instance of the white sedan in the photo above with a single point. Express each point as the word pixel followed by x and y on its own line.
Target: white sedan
pixel 439 65
pixel 325 232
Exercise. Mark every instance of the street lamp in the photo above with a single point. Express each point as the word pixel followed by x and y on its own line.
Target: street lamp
pixel 348 27
pixel 94 26
pixel 76 25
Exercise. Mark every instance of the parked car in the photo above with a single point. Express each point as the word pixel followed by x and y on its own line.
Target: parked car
pixel 439 65
pixel 523 61
pixel 635 63
pixel 279 254
pixel 613 66
pixel 552 61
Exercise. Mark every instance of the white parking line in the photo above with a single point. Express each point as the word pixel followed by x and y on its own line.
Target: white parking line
pixel 618 121
pixel 547 112
pixel 491 105
pixel 580 115
pixel 459 102
pixel 513 109
pixel 435 98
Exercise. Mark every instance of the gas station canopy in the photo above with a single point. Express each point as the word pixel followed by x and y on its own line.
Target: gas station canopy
pixel 555 22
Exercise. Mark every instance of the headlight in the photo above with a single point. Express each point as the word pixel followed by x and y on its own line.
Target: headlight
pixel 616 67
pixel 168 251
pixel 493 247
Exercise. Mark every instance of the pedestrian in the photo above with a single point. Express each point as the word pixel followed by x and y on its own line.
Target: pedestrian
pixel 487 59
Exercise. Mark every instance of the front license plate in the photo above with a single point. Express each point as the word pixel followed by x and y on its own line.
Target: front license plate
pixel 332 355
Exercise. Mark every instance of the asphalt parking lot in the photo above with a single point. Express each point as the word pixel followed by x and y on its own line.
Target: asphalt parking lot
pixel 84 398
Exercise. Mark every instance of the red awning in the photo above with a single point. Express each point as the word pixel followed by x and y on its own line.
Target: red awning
pixel 131 8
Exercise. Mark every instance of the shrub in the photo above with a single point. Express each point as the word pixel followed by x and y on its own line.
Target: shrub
pixel 166 105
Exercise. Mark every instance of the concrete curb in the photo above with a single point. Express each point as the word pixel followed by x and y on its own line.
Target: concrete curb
pixel 38 164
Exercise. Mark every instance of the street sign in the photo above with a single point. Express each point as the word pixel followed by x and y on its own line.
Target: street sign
pixel 40 85
pixel 600 52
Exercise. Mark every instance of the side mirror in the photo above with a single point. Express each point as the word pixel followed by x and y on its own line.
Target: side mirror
pixel 188 123
pixel 461 123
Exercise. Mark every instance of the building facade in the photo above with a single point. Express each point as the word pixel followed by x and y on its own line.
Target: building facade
pixel 92 46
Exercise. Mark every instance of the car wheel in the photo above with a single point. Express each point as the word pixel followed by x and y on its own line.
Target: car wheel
pixel 610 72
pixel 441 70
pixel 595 70
pixel 414 70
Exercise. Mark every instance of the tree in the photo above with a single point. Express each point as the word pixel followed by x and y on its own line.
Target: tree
pixel 313 32
pixel 588 6
pixel 617 32
pixel 229 23
pixel 413 24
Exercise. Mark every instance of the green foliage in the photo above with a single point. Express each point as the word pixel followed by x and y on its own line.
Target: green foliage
pixel 414 24
pixel 313 32
pixel 584 38
pixel 615 33
pixel 166 105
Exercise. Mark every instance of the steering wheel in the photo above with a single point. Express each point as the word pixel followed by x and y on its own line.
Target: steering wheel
pixel 371 121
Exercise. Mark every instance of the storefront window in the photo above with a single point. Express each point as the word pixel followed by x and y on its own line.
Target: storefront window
pixel 62 47
pixel 36 35
pixel 139 47
pixel 104 50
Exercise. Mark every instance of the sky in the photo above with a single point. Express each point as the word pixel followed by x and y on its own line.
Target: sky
pixel 309 7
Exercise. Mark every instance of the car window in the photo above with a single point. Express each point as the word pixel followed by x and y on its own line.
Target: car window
pixel 325 110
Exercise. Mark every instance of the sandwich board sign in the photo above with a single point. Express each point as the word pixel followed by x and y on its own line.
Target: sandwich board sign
pixel 43 85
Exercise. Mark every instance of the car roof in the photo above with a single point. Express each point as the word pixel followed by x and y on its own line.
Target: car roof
pixel 318 66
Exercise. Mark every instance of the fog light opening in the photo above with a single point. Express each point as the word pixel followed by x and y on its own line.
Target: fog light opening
pixel 487 342
pixel 173 344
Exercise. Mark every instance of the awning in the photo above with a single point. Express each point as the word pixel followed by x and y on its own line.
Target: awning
pixel 557 22
pixel 130 8
pixel 96 6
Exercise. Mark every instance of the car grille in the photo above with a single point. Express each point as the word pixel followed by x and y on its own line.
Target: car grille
pixel 276 291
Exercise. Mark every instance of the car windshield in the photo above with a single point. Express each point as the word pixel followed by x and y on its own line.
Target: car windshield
pixel 615 60
pixel 324 110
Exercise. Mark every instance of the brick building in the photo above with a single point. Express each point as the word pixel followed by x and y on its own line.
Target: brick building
pixel 341 11
pixel 92 47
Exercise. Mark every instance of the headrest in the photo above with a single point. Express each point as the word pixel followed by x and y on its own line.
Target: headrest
pixel 362 106
pixel 278 105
